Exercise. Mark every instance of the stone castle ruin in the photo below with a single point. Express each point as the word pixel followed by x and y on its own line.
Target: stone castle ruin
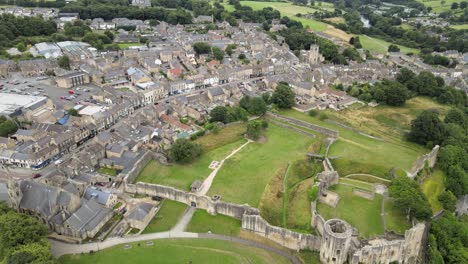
pixel 428 159
pixel 336 240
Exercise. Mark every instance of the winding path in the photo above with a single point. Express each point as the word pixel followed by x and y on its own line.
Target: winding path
pixel 62 248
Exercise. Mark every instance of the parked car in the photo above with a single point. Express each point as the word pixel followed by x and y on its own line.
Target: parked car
pixel 36 175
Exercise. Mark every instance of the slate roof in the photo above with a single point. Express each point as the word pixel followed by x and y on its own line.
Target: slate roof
pixel 88 216
pixel 140 212
pixel 94 193
pixel 41 198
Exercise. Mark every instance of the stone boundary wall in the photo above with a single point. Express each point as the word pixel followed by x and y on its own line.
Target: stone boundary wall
pixel 419 164
pixel 250 216
pixel 327 165
pixel 293 128
pixel 322 130
pixel 317 220
pixel 282 236
pixel 191 199
pixel 138 167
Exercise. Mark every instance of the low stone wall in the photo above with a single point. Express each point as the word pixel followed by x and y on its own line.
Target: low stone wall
pixel 419 164
pixel 369 195
pixel 300 131
pixel 284 237
pixel 322 130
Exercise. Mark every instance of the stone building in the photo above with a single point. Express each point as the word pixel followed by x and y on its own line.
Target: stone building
pixel 73 79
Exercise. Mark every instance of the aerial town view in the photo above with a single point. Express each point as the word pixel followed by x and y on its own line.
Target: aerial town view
pixel 231 131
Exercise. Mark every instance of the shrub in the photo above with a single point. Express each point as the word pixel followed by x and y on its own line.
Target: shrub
pixel 313 112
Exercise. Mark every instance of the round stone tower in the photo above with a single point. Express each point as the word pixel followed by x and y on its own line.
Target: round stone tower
pixel 336 240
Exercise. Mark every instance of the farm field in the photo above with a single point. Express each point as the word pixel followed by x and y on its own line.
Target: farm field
pixel 178 251
pixel 203 222
pixel 290 10
pixel 432 187
pixel 438 6
pixel 356 153
pixel 215 146
pixel 166 217
pixel 243 178
pixel 381 46
pixel 463 26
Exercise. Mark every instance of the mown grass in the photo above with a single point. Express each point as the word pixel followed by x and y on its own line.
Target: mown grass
pixel 176 251
pixel 166 218
pixel 243 178
pixel 381 46
pixel 432 187
pixel 215 147
pixel 359 212
pixel 203 222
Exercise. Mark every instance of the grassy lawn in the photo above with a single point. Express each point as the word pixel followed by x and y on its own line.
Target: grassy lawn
pixel 243 178
pixel 216 147
pixel 381 46
pixel 166 217
pixel 357 211
pixel 394 219
pixel 202 222
pixel 107 171
pixel 432 187
pixel 360 154
pixel 178 251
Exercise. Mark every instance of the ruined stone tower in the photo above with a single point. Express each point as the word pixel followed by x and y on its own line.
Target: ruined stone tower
pixel 336 240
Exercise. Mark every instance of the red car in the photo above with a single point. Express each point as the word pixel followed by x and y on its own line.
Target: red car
pixel 71 92
pixel 36 175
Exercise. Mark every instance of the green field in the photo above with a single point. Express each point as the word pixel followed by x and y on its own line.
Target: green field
pixel 216 147
pixel 356 153
pixel 203 222
pixel 432 187
pixel 381 46
pixel 438 6
pixel 166 217
pixel 243 178
pixel 359 212
pixel 458 27
pixel 290 10
pixel 178 251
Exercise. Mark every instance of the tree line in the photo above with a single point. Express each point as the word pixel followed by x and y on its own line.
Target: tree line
pixel 23 238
